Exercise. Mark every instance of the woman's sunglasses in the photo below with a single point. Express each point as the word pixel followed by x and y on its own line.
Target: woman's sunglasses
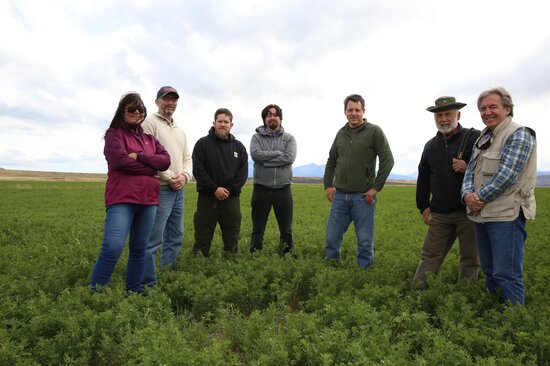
pixel 134 108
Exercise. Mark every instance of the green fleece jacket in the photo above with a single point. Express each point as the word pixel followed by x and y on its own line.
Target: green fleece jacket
pixel 351 164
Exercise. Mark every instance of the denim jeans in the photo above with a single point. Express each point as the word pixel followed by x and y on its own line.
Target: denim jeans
pixel 345 208
pixel 121 219
pixel 500 246
pixel 263 198
pixel 167 233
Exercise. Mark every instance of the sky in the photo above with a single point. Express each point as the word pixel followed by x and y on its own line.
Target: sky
pixel 65 64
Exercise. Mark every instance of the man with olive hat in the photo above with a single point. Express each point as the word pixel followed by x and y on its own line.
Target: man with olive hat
pixel 440 175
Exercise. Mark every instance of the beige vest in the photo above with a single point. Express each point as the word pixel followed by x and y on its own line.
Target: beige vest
pixel 521 194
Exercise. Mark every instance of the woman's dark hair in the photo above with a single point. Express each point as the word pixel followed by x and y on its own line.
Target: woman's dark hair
pixel 265 111
pixel 130 99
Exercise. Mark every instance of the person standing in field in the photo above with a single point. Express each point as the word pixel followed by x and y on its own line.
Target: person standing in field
pixel 351 182
pixel 499 191
pixel 131 192
pixel 440 174
pixel 168 228
pixel 220 167
pixel 273 151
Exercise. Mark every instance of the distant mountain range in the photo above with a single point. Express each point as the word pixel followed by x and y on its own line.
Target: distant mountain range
pixel 317 171
pixel 313 170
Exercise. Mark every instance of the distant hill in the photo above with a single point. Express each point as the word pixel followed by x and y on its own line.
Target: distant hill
pixel 317 171
pixel 314 170
pixel 27 175
pixel 310 173
pixel 310 170
pixel 543 180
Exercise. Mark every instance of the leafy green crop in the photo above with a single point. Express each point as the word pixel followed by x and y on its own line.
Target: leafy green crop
pixel 255 309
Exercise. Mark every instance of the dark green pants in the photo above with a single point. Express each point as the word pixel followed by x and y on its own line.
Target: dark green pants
pixel 441 235
pixel 209 212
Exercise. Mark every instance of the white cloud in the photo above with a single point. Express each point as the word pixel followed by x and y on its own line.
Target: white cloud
pixel 63 66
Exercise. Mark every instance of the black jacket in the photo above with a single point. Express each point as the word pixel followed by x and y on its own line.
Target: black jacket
pixel 436 176
pixel 219 163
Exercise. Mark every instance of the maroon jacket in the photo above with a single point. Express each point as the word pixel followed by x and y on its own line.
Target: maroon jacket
pixel 129 180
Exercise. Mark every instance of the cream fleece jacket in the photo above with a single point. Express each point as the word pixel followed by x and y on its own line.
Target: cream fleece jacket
pixel 173 138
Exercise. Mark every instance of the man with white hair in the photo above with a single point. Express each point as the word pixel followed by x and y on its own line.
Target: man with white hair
pixel 440 174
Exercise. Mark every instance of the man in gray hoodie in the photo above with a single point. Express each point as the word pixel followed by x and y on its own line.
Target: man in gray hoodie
pixel 273 151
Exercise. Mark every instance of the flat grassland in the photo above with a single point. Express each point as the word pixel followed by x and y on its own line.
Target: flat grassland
pixel 261 309
pixel 30 175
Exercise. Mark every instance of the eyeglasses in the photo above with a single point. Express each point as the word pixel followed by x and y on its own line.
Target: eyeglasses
pixel 134 108
pixel 485 141
pixel 482 144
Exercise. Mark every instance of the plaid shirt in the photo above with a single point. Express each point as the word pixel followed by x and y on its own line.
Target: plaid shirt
pixel 514 155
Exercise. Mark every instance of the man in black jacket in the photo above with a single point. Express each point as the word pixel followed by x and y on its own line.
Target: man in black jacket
pixel 440 174
pixel 220 166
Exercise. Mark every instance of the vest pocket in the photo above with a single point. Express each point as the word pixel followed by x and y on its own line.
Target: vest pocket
pixel 503 206
pixel 490 164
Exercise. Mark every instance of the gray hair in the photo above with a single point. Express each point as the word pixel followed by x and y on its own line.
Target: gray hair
pixel 504 96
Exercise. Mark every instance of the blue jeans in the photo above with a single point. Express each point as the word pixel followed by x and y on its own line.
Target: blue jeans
pixel 167 233
pixel 121 219
pixel 500 246
pixel 345 208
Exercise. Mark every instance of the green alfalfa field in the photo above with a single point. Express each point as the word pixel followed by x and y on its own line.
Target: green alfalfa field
pixel 261 309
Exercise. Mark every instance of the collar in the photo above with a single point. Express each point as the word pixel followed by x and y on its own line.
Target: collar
pixel 358 128
pixel 169 122
pixel 502 125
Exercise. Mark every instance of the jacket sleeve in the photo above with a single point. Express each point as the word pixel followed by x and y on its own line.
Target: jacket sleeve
pixel 150 127
pixel 330 167
pixel 187 160
pixel 259 155
pixel 204 180
pixel 423 182
pixel 160 160
pixel 117 156
pixel 285 157
pixel 385 158
pixel 241 176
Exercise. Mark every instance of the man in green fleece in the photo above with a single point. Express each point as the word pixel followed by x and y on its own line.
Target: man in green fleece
pixel 351 181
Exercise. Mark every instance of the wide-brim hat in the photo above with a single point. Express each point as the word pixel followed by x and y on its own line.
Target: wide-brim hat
pixel 445 103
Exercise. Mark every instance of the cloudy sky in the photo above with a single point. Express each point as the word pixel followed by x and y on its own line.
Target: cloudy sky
pixel 64 65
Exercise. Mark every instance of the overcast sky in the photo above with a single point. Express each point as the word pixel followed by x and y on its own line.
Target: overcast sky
pixel 64 65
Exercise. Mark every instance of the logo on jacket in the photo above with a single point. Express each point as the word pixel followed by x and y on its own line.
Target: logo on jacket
pixel 236 154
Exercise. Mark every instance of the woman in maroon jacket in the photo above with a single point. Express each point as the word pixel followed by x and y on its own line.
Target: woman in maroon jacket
pixel 131 193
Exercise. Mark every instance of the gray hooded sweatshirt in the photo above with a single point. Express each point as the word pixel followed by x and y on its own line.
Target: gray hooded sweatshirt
pixel 273 154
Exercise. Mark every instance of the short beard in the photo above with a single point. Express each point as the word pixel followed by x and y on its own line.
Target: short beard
pixel 272 126
pixel 222 134
pixel 448 130
pixel 168 111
